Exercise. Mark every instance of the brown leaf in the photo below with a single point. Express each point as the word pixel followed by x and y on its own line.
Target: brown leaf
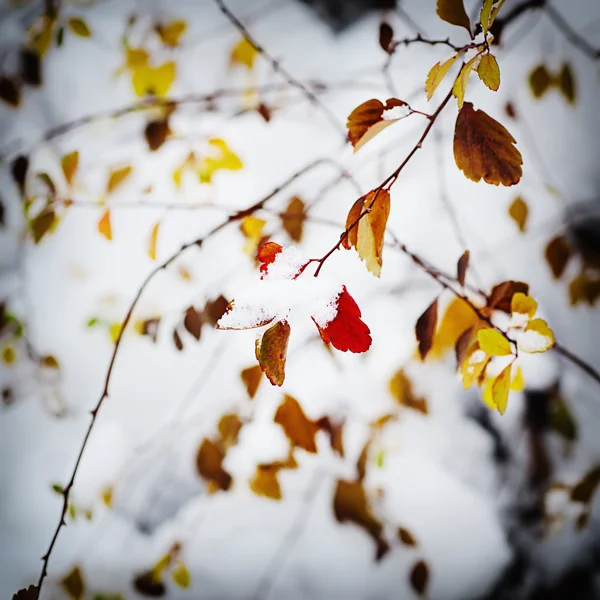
pixel 386 36
pixel 177 340
pixel 519 211
pixel 30 593
pixel 406 537
pixel 229 428
pixel 453 12
pixel 350 504
pixel 334 430
pixel 147 585
pixel 10 91
pixel 500 297
pixel 463 345
pixel 30 67
pixel 361 463
pixel 42 223
pixel 419 577
pixel 366 120
pixel 252 376
pixel 462 267
pixel 297 427
pixel 355 212
pixel 425 328
pixel 271 352
pixel 558 253
pixel 192 321
pixel 209 464
pixel 215 309
pixel 566 83
pixel 73 584
pixel 264 111
pixel 401 389
pixel 584 289
pixel 293 219
pixel 484 149
pixel 265 482
pixel 539 80
pixel 584 490
pixel 156 132
pixel 18 170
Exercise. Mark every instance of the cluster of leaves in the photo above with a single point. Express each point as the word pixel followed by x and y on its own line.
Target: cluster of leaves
pixel 541 80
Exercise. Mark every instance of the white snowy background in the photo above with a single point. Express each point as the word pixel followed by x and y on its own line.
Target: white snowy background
pixel 438 478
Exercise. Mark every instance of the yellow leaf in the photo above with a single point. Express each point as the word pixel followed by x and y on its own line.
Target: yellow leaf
pixel 243 53
pixel 489 71
pixel 252 228
pixel 459 89
pixel 518 383
pixel 489 12
pixel 69 163
pixel 224 158
pixel 104 226
pixel 79 27
pixel 41 34
pixel 566 83
pixel 107 495
pixel 522 304
pixel 135 57
pixel 501 388
pixel 152 243
pixel 473 366
pixel 181 575
pixel 437 74
pixel 402 391
pixel 453 12
pixel 116 177
pixel 457 318
pixel 492 342
pixel 540 80
pixel 537 337
pixel 114 331
pixel 171 33
pixel 153 80
pixel 8 355
pixel 484 149
pixel 519 212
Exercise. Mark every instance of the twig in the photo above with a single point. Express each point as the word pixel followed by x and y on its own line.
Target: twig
pixel 281 70
pixel 105 392
pixel 572 36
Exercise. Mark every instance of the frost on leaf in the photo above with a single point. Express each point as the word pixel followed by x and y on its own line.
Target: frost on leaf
pixel 368 235
pixel 492 342
pixel 473 366
pixel 537 337
pixel 522 304
pixel 489 71
pixel 425 329
pixel 519 212
pixel 350 505
pixel 346 331
pixel 367 120
pixel 558 253
pixel 453 12
pixel 484 149
pixel 437 74
pixel 271 352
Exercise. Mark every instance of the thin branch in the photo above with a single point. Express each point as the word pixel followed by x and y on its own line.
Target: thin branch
pixel 105 392
pixel 281 70
pixel 572 36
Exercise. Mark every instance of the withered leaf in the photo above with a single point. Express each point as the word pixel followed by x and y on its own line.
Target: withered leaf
pixel 584 288
pixel 30 593
pixel 419 577
pixel 271 352
pixel 366 120
pixel 156 132
pixel 462 267
pixel 436 75
pixel 425 328
pixel 484 149
pixel 402 390
pixel 500 297
pixel 215 309
pixel 192 321
pixel 386 36
pixel 584 490
pixel 18 170
pixel 264 111
pixel 558 253
pixel 350 504
pixel 116 177
pixel 69 164
pixel 334 430
pixel 73 584
pixel 229 428
pixel 361 463
pixel 355 212
pixel 42 223
pixel 406 537
pixel 252 376
pixel 462 346
pixel 297 427
pixel 293 219
pixel 30 67
pixel 265 482
pixel 519 211
pixel 539 80
pixel 148 585
pixel 566 83
pixel 177 340
pixel 209 464
pixel 453 12
pixel 10 90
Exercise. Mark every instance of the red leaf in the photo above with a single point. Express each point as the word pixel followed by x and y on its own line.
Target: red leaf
pixel 267 254
pixel 346 331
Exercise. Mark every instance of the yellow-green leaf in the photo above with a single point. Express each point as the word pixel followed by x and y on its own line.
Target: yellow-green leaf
pixel 489 71
pixel 539 81
pixel 459 89
pixel 180 575
pixel 519 211
pixel 453 12
pixel 489 12
pixel 79 27
pixel 69 163
pixel 437 74
pixel 492 342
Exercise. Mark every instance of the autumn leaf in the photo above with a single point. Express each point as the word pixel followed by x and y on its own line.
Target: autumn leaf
pixel 192 321
pixel 501 389
pixel 170 34
pixel 177 340
pixel 453 12
pixel 459 89
pixel 223 159
pixel 117 177
pixel 156 81
pixel 69 163
pixel 566 83
pixel 293 219
pixel 30 593
pixel 457 318
pixel 386 37
pixel 537 337
pixel 425 329
pixel 73 584
pixel 267 254
pixel 244 54
pixel 209 464
pixel 104 225
pixel 584 490
pixel 584 288
pixel 30 67
pixel 152 241
pixel 462 266
pixel 252 376
pixel 42 223
pixel 367 120
pixel 406 537
pixel 215 309
pixel 558 252
pixel 484 149
pixel 297 427
pixel 492 342
pixel 539 81
pixel 500 298
pixel 489 71
pixel 436 75
pixel 181 575
pixel 79 27
pixel 146 584
pixel 156 133
pixel 519 212
pixel 350 504
pixel 271 352
pixel 489 12
pixel 419 577
pixel 10 90
pixel 18 170
pixel 473 366
pixel 346 331
pixel 402 391
pixel 229 427
pixel 265 482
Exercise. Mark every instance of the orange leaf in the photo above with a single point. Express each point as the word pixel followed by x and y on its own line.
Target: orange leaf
pixel 267 254
pixel 297 427
pixel 519 212
pixel 355 212
pixel 346 331
pixel 484 149
pixel 208 463
pixel 425 329
pixel 104 226
pixel 265 482
pixel 271 352
pixel 252 376
pixel 366 120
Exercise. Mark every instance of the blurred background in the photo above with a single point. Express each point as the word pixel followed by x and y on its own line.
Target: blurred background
pixel 129 128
